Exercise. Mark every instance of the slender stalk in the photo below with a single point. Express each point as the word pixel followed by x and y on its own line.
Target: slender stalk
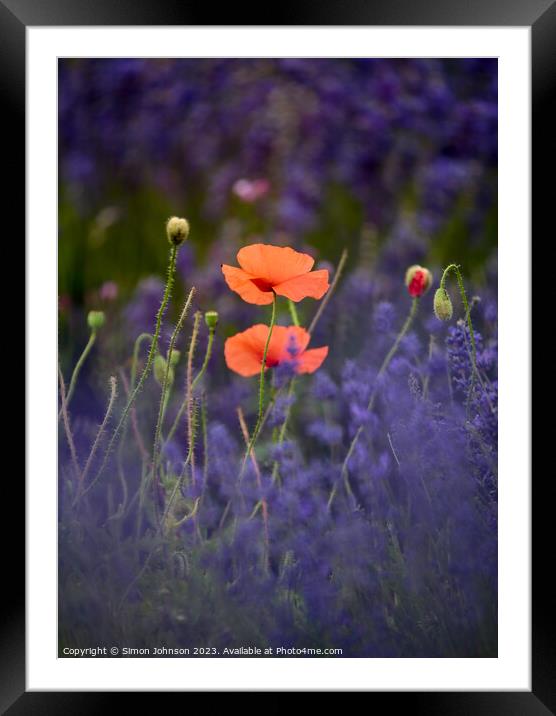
pixel 162 404
pixel 191 432
pixel 67 426
pixel 78 366
pixel 194 384
pixel 100 433
pixel 385 363
pixel 204 429
pixel 293 312
pixel 258 424
pixel 473 352
pixel 330 292
pixel 146 369
pixel 133 419
pixel 456 269
pixel 134 361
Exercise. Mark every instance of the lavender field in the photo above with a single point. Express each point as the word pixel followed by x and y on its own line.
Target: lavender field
pixel 278 357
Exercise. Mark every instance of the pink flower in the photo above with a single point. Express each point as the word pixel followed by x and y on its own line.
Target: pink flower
pixel 250 190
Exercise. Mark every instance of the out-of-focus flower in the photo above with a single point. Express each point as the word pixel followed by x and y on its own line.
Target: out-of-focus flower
pixel 418 280
pixel 266 269
pixel 250 190
pixel 288 344
pixel 108 291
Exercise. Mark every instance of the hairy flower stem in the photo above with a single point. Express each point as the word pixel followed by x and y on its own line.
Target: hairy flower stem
pixel 67 426
pixel 473 353
pixel 98 438
pixel 191 432
pixel 163 394
pixel 330 292
pixel 204 430
pixel 78 366
pixel 146 369
pixel 385 363
pixel 134 361
pixel 194 384
pixel 258 424
pixel 456 269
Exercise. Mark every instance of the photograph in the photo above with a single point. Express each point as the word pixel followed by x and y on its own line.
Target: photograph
pixel 277 357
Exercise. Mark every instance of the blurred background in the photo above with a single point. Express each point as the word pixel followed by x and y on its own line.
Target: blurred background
pixel 393 159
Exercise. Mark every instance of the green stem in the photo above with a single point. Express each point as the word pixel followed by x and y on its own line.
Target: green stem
pixel 162 405
pixel 204 428
pixel 258 424
pixel 147 368
pixel 138 341
pixel 67 426
pixel 191 432
pixel 261 378
pixel 330 292
pixel 385 363
pixel 78 366
pixel 392 352
pixel 194 384
pixel 98 438
pixel 456 269
pixel 293 312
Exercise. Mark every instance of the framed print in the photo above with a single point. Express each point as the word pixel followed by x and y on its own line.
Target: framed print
pixel 274 280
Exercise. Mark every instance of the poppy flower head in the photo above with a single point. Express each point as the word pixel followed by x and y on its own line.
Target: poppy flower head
pixel 288 344
pixel 266 270
pixel 418 280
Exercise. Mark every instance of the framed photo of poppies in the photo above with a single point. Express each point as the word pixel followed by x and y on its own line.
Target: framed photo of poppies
pixel 284 267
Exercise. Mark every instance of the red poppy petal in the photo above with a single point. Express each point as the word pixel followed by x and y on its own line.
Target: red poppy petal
pixel 240 356
pixel 274 264
pixel 311 285
pixel 311 360
pixel 256 337
pixel 242 283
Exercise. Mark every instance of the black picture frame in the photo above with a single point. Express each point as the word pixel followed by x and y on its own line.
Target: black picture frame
pixel 540 15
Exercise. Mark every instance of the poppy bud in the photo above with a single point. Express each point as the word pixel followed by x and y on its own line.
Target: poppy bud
pixel 95 319
pixel 211 319
pixel 418 280
pixel 175 357
pixel 442 305
pixel 177 230
pixel 160 370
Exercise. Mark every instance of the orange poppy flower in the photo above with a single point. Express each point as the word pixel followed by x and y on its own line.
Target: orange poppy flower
pixel 266 268
pixel 288 344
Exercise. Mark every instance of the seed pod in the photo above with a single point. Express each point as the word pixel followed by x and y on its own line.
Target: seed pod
pixel 211 319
